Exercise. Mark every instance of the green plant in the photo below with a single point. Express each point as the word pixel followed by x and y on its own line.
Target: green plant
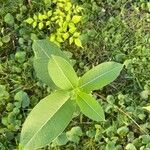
pixel 51 115
pixel 73 135
pixel 60 20
pixel 115 30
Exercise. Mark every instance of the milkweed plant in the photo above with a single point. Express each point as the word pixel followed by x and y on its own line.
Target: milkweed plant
pixel 51 115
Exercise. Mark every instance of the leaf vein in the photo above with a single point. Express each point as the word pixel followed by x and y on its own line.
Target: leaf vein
pixel 98 77
pixel 45 123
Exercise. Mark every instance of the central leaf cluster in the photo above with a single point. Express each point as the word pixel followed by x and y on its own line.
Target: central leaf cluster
pixel 56 110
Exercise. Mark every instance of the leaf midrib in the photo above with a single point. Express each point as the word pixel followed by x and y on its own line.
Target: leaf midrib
pixel 90 106
pixel 98 77
pixel 63 72
pixel 43 51
pixel 46 122
pixel 56 64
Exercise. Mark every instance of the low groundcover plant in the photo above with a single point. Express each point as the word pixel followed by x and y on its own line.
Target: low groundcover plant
pixel 51 115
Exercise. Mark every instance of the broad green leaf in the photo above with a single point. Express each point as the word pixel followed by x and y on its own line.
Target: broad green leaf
pixel 47 120
pixel 43 50
pixel 60 140
pixel 90 107
pixel 62 73
pixel 100 76
pixel 147 108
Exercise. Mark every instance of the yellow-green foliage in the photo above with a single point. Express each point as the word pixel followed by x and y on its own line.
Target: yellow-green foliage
pixel 64 18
